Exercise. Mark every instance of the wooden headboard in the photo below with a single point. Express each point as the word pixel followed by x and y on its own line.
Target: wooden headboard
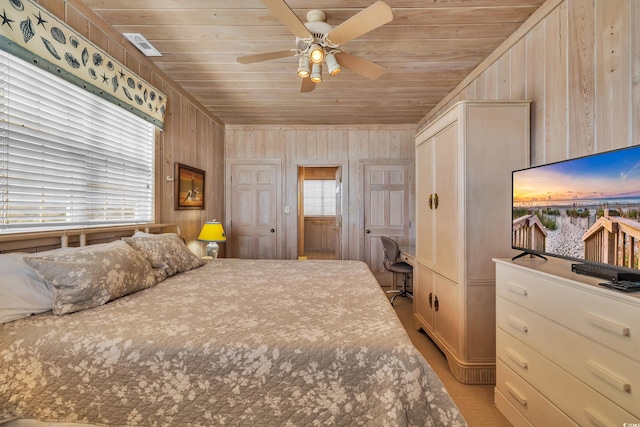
pixel 47 240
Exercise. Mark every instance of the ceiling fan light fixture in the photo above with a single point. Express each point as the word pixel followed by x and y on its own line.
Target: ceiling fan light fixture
pixel 318 41
pixel 316 53
pixel 316 73
pixel 333 67
pixel 303 66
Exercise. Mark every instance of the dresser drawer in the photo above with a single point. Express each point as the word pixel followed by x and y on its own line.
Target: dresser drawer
pixel 515 417
pixel 581 403
pixel 615 376
pixel 595 313
pixel 537 409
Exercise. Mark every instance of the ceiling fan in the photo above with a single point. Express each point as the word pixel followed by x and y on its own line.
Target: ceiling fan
pixel 318 42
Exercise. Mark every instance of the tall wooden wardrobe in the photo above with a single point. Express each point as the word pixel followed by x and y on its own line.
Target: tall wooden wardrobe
pixel 464 161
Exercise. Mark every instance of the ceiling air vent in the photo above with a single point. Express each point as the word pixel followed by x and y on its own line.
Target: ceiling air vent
pixel 143 44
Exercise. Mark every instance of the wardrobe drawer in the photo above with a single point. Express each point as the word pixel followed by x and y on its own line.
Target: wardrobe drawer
pixel 612 374
pixel 581 403
pixel 537 409
pixel 598 314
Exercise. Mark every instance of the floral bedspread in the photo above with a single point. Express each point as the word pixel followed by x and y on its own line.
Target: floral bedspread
pixel 236 342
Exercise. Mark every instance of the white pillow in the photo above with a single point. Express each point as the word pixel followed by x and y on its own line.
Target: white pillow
pixel 142 234
pixel 22 291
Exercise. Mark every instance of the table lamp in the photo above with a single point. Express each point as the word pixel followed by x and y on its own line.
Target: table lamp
pixel 213 233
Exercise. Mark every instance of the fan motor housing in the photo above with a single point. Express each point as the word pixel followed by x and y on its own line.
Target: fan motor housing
pixel 318 29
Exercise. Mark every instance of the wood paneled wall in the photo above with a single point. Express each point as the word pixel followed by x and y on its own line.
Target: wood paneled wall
pixel 579 63
pixel 191 135
pixel 346 146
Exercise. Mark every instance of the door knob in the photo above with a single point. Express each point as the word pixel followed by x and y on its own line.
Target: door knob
pixel 431 201
pixel 368 231
pixel 273 230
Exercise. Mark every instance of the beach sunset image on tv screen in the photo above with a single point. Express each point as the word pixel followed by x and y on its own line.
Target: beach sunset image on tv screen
pixel 586 208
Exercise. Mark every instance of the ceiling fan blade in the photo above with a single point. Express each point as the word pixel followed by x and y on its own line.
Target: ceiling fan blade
pixel 289 19
pixel 368 19
pixel 307 85
pixel 360 66
pixel 259 57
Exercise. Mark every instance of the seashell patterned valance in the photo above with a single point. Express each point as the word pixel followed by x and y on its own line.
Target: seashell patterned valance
pixel 33 34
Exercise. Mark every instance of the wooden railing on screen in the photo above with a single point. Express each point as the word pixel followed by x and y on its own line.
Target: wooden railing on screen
pixel 613 240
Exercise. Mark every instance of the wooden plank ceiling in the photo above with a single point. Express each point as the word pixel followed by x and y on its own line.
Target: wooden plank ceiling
pixel 428 48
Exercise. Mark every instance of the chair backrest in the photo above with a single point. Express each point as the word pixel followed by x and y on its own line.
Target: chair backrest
pixel 391 251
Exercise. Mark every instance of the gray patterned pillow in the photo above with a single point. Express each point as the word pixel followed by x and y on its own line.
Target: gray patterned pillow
pixel 93 275
pixel 166 253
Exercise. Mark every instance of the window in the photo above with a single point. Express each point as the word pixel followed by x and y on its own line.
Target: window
pixel 69 158
pixel 320 197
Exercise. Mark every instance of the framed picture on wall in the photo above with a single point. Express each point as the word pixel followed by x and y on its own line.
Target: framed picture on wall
pixel 189 187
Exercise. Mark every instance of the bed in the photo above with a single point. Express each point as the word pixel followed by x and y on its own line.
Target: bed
pixel 228 342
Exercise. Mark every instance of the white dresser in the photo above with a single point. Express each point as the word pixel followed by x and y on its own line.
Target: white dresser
pixel 568 350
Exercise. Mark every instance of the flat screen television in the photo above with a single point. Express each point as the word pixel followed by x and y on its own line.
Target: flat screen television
pixel 585 209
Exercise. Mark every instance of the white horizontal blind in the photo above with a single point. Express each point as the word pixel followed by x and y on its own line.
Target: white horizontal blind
pixel 68 157
pixel 319 197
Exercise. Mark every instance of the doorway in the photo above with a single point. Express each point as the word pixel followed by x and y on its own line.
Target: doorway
pixel 319 212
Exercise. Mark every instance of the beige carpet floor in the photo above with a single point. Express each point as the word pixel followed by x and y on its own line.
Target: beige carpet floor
pixel 475 401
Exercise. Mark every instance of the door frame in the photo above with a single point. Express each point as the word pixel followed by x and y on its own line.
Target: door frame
pixel 344 165
pixel 280 233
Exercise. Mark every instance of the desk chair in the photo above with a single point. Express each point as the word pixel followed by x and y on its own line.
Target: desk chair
pixel 392 264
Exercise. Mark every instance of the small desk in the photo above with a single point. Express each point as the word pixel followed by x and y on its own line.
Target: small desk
pixel 408 254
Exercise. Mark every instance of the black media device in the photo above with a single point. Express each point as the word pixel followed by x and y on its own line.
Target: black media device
pixel 585 210
pixel 622 285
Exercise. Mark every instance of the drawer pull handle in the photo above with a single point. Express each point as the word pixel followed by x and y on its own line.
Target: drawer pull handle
pixel 518 289
pixel 596 419
pixel 608 325
pixel 518 324
pixel 519 360
pixel 522 399
pixel 608 376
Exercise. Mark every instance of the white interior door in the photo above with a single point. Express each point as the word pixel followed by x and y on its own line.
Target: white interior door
pixel 253 211
pixel 386 210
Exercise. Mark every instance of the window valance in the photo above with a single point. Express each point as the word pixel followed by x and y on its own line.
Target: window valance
pixel 33 34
